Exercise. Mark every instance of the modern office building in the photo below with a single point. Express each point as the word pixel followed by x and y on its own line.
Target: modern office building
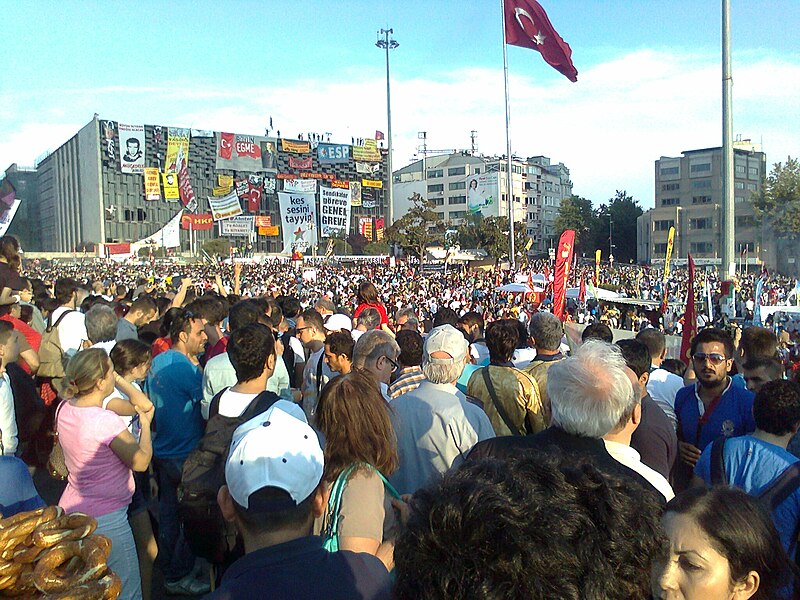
pixel 82 194
pixel 25 225
pixel 462 183
pixel 688 196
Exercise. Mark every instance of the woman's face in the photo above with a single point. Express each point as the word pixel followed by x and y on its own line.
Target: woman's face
pixel 694 570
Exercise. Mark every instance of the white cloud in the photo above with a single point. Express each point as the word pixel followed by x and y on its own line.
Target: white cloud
pixel 608 128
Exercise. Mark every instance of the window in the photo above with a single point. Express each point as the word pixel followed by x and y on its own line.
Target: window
pixel 141 215
pixel 701 247
pixel 436 187
pixel 663 225
pixel 701 199
pixel 476 170
pixel 745 221
pixel 739 185
pixel 457 200
pixel 703 223
pixel 701 184
pixel 457 185
pixel 741 169
pixel 700 168
pixel 742 246
pixel 457 171
pixel 670 187
pixel 435 173
pixel 738 199
pixel 458 214
pixel 437 201
pixel 752 172
pixel 659 249
pixel 670 170
pixel 751 187
pixel 670 201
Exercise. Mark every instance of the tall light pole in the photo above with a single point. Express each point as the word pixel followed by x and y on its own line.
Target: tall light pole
pixel 728 210
pixel 387 43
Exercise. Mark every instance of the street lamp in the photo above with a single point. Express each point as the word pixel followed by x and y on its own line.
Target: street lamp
pixel 387 43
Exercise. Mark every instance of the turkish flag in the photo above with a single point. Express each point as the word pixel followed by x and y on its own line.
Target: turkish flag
pixel 527 25
pixel 226 145
pixel 689 318
pixel 253 197
pixel 566 246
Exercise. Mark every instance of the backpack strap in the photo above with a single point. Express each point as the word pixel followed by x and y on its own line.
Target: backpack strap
pixel 782 486
pixel 213 408
pixel 58 321
pixel 259 404
pixel 500 408
pixel 718 474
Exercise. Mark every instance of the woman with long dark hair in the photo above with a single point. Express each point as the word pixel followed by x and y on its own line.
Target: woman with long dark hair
pixel 367 297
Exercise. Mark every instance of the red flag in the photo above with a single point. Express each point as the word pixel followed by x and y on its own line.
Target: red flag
pixel 226 145
pixel 378 135
pixel 563 261
pixel 582 292
pixel 689 318
pixel 527 25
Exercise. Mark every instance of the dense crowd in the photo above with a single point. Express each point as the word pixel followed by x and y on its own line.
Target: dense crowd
pixel 368 430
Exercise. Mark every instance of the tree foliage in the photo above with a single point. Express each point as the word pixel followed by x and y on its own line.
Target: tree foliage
pixel 778 203
pixel 419 228
pixel 576 213
pixel 491 234
pixel 217 247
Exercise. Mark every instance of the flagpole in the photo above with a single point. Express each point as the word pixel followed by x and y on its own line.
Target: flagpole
pixel 510 191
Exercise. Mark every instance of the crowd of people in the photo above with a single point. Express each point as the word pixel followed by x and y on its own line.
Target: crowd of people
pixel 374 431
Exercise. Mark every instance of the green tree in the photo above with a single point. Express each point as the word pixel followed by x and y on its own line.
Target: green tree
pixel 419 228
pixel 376 248
pixel 217 247
pixel 491 234
pixel 577 213
pixel 621 212
pixel 777 205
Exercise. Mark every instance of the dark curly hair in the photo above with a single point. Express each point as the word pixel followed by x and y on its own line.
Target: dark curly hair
pixel 776 407
pixel 529 528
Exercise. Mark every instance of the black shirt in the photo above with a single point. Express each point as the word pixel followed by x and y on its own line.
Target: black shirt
pixel 303 569
pixel 655 439
pixel 556 442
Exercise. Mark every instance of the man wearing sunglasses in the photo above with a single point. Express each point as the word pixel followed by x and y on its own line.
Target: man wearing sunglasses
pixel 712 407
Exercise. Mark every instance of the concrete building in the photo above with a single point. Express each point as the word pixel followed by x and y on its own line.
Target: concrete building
pixel 81 196
pixel 538 188
pixel 26 223
pixel 688 196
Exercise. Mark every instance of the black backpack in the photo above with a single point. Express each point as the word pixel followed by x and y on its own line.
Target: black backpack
pixel 205 530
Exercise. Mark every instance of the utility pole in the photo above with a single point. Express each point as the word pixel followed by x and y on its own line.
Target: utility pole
pixel 388 43
pixel 728 255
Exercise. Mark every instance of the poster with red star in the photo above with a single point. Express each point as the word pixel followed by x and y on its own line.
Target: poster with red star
pixel 299 221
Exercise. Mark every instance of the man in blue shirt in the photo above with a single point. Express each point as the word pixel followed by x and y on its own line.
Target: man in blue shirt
pixel 175 386
pixel 17 494
pixel 712 407
pixel 754 462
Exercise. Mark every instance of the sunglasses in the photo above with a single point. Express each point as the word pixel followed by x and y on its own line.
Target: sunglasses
pixel 395 366
pixel 715 358
pixel 301 329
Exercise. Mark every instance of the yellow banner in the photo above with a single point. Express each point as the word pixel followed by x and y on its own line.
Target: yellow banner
pixel 368 152
pixel 170 181
pixel 225 181
pixel 597 266
pixel 670 243
pixel 295 147
pixel 152 189
pixel 372 183
pixel 177 137
pixel 221 190
pixel 271 231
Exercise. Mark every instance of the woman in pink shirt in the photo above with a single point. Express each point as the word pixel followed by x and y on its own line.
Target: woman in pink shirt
pixel 100 452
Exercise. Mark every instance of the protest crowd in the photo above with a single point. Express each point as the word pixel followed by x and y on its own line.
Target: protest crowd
pixel 374 430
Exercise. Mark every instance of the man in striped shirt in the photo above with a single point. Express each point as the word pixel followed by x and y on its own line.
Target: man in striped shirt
pixel 409 375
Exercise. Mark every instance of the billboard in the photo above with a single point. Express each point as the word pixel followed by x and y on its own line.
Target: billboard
pixel 483 193
pixel 334 211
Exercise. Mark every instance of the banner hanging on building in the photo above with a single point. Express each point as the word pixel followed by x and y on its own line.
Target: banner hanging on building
pixel 109 129
pixel 168 236
pixel 270 231
pixel 237 226
pixel 170 181
pixel 152 189
pixel 201 222
pixel 365 227
pixel 298 221
pixel 379 229
pixel 368 152
pixel 355 193
pixel 366 168
pixel 185 183
pixel 482 193
pixel 225 180
pixel 670 244
pixel 131 143
pixel 226 207
pixel 263 221
pixel 295 147
pixel 372 183
pixel 301 163
pixel 334 212
pixel 300 186
pixel 177 138
pixel 255 191
pixel 250 153
pixel 333 153
pixel 563 261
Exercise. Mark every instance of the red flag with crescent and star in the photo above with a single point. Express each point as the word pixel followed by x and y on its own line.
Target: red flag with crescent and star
pixel 563 261
pixel 527 25
pixel 689 318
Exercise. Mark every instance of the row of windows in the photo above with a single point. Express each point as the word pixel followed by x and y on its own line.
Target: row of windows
pixel 700 168
pixel 701 247
pixel 457 185
pixel 670 187
pixel 702 223
pixel 704 248
pixel 457 200
pixel 701 184
pixel 670 170
pixel 745 221
pixel 663 225
pixel 701 199
pixel 130 214
pixel 670 201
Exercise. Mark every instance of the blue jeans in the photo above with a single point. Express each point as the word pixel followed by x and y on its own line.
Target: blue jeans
pixel 123 559
pixel 174 554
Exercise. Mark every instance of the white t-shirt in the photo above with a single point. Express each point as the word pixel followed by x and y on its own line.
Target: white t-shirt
pixel 297 347
pixel 662 387
pixel 233 404
pixel 131 421
pixel 8 417
pixel 71 330
pixel 630 458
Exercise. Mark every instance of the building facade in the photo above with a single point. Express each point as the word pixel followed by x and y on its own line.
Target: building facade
pixel 688 196
pixel 26 223
pixel 82 197
pixel 447 181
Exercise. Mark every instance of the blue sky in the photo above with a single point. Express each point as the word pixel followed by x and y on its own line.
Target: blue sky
pixel 648 84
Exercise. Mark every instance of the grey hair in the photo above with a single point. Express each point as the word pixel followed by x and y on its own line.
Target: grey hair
pixel 101 324
pixel 546 330
pixel 590 391
pixel 447 373
pixel 372 345
pixel 369 318
pixel 407 311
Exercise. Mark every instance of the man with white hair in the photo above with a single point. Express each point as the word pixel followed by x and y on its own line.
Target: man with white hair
pixel 435 428
pixel 375 354
pixel 590 392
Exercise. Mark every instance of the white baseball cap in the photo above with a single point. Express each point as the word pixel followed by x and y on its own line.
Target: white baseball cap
pixel 338 322
pixel 274 449
pixel 448 339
